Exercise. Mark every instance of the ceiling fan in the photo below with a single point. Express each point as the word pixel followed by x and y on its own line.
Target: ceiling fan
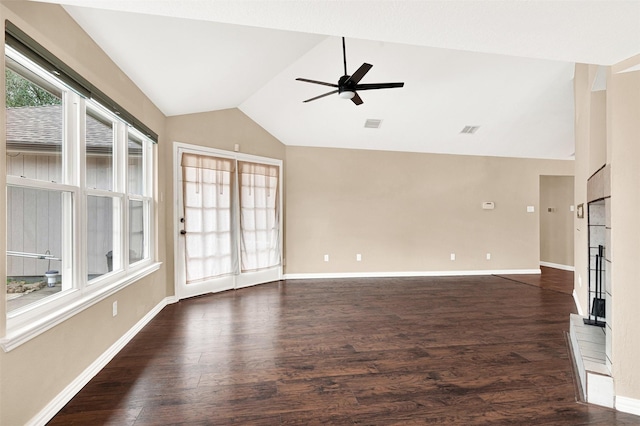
pixel 348 86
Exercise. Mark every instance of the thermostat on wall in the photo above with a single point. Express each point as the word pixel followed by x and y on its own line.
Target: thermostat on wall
pixel 488 205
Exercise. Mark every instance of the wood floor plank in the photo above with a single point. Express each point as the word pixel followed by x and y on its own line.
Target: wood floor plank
pixel 483 350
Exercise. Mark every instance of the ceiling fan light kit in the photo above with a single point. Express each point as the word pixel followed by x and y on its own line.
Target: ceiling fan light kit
pixel 348 86
pixel 347 95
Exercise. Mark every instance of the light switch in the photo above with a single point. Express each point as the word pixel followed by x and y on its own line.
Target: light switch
pixel 530 209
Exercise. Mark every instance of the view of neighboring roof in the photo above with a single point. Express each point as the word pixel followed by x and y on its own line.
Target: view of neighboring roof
pixel 40 129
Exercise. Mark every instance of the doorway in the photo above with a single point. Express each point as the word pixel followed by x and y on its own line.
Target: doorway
pixel 557 222
pixel 227 220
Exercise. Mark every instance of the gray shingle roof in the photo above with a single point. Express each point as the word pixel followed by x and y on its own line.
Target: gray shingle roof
pixel 40 129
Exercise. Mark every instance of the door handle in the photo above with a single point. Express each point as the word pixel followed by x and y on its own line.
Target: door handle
pixel 183 232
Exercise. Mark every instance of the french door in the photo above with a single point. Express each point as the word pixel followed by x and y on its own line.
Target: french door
pixel 227 220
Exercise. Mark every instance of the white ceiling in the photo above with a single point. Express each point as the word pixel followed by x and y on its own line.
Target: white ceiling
pixel 505 66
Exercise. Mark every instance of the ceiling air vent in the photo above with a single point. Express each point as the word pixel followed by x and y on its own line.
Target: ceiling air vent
pixel 470 129
pixel 372 124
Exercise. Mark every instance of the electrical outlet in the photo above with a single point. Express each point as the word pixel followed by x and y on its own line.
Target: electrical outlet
pixel 326 257
pixel 453 256
pixel 115 308
pixel 488 256
pixel 358 257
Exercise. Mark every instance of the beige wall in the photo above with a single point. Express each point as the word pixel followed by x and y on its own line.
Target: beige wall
pixel 597 131
pixel 37 371
pixel 222 130
pixel 621 125
pixel 583 81
pixel 407 212
pixel 556 220
pixel 218 129
pixel 623 97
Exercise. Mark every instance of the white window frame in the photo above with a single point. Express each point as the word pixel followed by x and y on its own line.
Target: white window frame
pixel 27 322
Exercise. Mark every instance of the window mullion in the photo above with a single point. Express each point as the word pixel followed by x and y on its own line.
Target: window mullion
pixel 120 157
pixel 73 147
pixel 75 138
pixel 121 216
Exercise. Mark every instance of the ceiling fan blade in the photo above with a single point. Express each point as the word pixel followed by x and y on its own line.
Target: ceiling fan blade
pixel 321 96
pixel 378 86
pixel 356 99
pixel 360 72
pixel 317 82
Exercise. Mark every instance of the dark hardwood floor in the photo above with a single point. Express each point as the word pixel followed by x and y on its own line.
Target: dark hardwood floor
pixel 452 350
pixel 550 279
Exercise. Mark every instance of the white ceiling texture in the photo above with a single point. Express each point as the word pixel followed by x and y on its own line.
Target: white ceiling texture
pixel 505 66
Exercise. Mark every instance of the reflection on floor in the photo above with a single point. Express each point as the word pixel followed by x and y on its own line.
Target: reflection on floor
pixel 550 279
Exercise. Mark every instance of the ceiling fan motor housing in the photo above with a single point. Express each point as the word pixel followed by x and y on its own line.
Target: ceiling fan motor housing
pixel 346 85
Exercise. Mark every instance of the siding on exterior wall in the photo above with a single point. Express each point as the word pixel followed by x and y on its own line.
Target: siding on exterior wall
pixel 34 217
pixel 34 227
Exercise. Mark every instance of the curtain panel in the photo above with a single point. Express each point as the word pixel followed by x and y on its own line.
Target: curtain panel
pixel 259 216
pixel 207 193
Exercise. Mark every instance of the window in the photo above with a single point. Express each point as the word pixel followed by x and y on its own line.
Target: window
pixel 139 190
pixel 34 124
pixel 79 196
pixel 99 140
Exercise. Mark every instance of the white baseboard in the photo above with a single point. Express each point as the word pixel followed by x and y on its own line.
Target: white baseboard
pixel 600 390
pixel 628 405
pixel 408 274
pixel 575 299
pixel 558 266
pixel 89 373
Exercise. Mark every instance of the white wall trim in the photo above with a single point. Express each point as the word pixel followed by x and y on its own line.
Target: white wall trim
pixel 408 274
pixel 628 405
pixel 558 266
pixel 57 403
pixel 575 299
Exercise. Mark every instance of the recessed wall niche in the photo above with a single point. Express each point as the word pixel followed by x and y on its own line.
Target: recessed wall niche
pixel 600 259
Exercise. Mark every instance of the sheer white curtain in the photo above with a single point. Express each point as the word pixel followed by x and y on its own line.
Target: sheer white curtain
pixel 207 187
pixel 259 216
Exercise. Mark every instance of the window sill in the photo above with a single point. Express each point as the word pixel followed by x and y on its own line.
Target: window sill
pixel 22 334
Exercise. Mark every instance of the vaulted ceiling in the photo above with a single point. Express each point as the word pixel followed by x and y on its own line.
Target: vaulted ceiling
pixel 505 66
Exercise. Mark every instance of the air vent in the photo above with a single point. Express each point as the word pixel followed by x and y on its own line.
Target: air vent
pixel 372 124
pixel 470 129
